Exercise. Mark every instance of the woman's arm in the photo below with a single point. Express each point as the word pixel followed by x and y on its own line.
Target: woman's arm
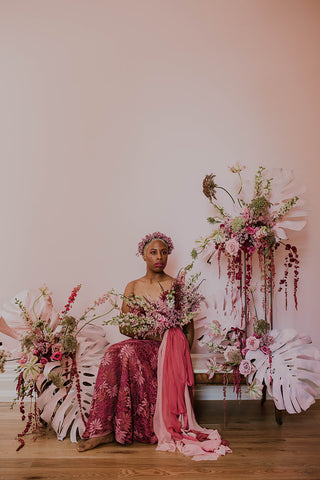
pixel 125 309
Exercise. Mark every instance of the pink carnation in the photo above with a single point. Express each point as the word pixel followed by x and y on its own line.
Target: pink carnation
pixel 245 367
pixel 232 246
pixel 252 343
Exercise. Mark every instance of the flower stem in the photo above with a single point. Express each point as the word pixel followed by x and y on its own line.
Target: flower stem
pixel 222 188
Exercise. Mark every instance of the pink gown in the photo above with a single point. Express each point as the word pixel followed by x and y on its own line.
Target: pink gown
pixel 125 393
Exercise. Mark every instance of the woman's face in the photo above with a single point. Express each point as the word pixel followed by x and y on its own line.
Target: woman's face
pixel 156 255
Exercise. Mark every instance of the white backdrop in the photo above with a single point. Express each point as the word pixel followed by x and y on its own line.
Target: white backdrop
pixel 113 111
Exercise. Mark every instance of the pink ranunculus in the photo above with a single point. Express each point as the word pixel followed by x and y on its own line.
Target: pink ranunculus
pixel 55 357
pixel 43 360
pixel 232 246
pixel 264 349
pixel 251 230
pixel 252 343
pixel 245 367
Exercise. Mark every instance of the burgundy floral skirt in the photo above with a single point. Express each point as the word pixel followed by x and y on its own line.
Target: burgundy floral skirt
pixel 125 393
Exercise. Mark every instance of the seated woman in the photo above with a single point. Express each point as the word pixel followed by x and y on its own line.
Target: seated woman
pixel 125 406
pixel 126 387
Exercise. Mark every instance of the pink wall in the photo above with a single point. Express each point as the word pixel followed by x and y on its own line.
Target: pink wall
pixel 113 111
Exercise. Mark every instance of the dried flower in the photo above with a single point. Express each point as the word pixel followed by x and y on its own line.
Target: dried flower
pixel 209 186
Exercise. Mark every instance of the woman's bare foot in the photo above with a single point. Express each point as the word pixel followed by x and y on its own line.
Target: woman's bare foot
pixel 84 445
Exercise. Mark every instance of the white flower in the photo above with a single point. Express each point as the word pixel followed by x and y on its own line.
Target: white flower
pixel 255 390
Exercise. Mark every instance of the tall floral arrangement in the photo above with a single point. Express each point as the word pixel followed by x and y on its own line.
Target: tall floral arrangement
pixel 282 361
pixel 256 226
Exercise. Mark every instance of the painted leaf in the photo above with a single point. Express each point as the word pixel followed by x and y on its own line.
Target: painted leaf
pixel 294 375
pixel 60 407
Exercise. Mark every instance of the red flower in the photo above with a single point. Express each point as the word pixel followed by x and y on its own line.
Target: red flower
pixel 55 357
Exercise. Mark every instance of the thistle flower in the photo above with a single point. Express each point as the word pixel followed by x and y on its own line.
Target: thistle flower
pixel 209 186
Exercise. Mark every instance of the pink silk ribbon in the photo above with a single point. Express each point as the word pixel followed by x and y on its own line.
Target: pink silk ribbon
pixel 174 421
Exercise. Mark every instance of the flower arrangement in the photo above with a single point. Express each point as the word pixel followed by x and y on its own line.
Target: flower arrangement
pixel 257 225
pixel 46 342
pixel 175 307
pixel 230 348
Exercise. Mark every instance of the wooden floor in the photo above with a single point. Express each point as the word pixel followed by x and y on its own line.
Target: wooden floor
pixel 261 450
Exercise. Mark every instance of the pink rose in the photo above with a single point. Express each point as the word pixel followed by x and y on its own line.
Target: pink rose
pixel 55 357
pixel 43 361
pixel 245 367
pixel 252 249
pixel 35 352
pixel 232 246
pixel 251 230
pixel 252 343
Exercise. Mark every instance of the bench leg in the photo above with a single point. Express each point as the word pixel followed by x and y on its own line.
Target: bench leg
pixel 277 413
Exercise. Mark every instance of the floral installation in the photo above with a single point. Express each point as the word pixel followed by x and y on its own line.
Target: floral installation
pixel 43 344
pixel 281 362
pixel 155 236
pixel 261 213
pixel 229 353
pixel 177 306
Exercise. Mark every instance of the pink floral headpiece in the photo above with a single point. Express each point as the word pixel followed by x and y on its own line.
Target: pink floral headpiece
pixel 155 236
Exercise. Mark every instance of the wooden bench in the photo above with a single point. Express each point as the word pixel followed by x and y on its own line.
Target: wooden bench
pixel 220 379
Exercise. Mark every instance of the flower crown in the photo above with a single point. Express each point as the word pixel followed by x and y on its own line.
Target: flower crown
pixel 155 236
